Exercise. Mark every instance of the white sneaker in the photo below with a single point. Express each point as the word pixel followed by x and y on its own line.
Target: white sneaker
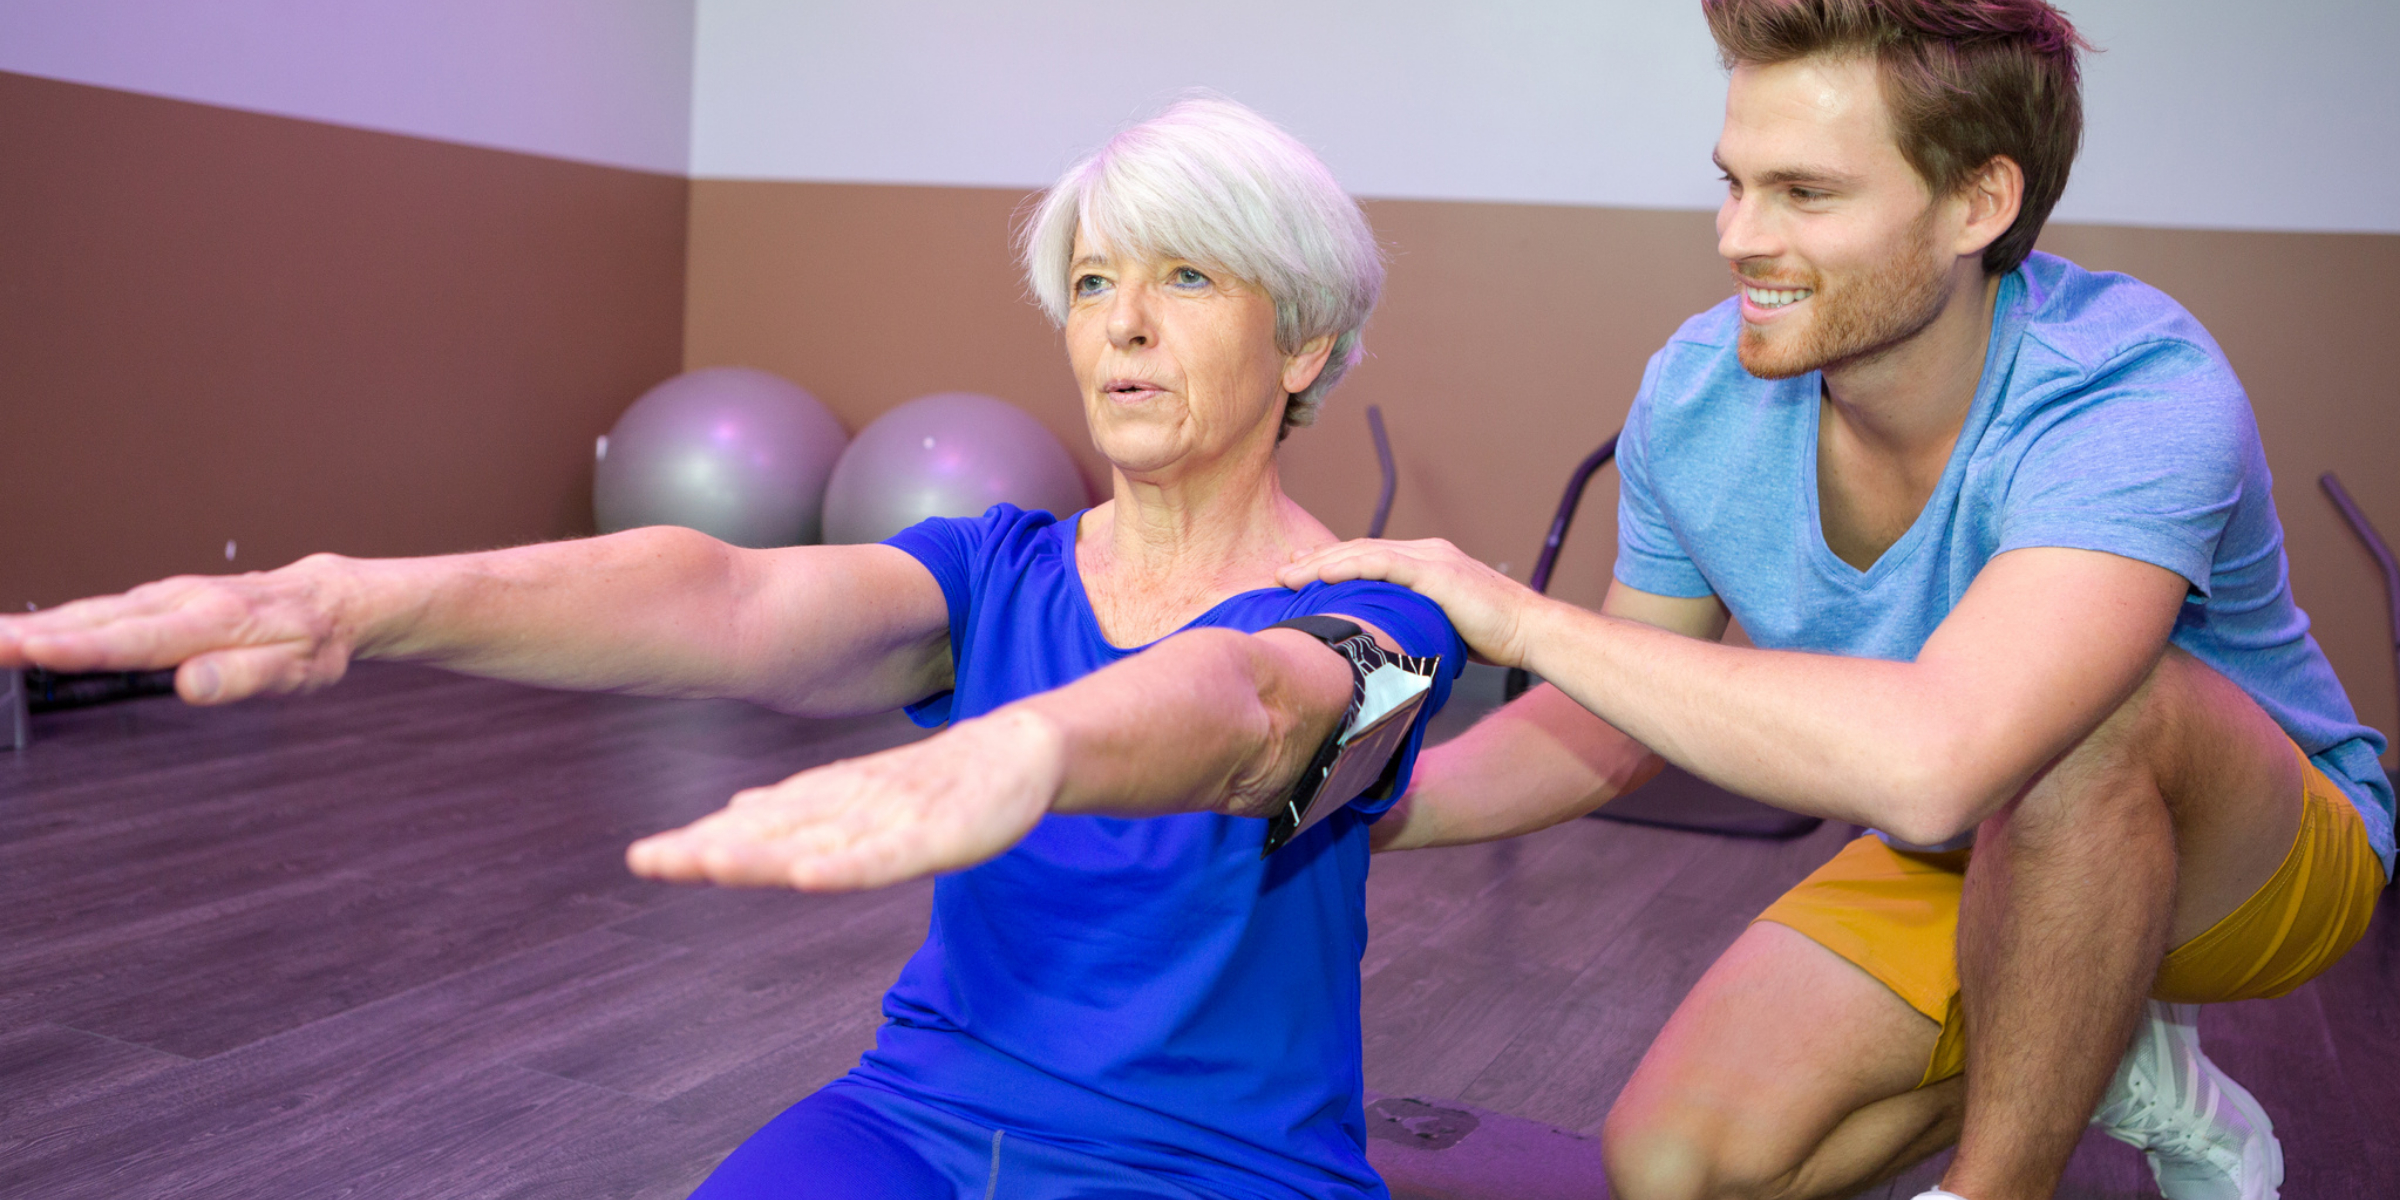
pixel 2205 1136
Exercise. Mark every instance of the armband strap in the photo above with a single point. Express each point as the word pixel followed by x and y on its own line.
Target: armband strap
pixel 1361 756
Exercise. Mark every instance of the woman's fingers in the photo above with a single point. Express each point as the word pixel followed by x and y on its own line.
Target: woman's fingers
pixel 939 805
pixel 232 637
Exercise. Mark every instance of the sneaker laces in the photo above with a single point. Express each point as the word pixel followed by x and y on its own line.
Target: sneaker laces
pixel 2181 1128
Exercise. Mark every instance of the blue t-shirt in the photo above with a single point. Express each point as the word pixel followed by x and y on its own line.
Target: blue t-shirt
pixel 1150 990
pixel 2107 419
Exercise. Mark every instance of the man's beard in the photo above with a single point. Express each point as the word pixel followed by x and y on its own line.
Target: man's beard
pixel 1863 318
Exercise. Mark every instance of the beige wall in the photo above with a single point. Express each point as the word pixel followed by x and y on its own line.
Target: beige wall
pixel 1509 343
pixel 219 325
pixel 216 325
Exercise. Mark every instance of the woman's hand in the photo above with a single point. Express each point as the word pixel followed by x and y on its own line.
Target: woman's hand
pixel 948 802
pixel 1489 610
pixel 230 636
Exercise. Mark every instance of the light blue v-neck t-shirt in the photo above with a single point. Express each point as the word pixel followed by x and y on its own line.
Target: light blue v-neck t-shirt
pixel 2107 420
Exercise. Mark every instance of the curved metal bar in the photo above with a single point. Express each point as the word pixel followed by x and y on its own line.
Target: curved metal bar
pixel 1518 679
pixel 1391 477
pixel 1567 504
pixel 2375 546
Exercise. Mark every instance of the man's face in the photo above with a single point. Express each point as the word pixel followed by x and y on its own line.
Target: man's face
pixel 1835 241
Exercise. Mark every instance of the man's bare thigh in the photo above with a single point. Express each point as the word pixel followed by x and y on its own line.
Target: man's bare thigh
pixel 1779 1042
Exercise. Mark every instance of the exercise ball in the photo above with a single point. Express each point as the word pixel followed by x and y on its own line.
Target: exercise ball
pixel 736 453
pixel 953 454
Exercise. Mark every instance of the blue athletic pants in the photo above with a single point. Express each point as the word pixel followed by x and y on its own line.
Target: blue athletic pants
pixel 856 1141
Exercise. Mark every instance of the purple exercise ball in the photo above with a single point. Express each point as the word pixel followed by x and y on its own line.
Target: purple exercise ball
pixel 736 453
pixel 953 454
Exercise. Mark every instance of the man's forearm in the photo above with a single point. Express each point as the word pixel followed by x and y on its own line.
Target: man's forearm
pixel 1859 740
pixel 1206 720
pixel 1539 760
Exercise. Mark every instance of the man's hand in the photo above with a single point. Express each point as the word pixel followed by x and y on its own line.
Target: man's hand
pixel 948 802
pixel 1486 607
pixel 230 637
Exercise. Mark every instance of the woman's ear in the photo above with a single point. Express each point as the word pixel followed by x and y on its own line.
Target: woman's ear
pixel 1301 367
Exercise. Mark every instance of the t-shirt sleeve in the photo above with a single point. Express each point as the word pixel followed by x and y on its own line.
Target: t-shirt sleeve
pixel 953 548
pixel 1650 557
pixel 1421 630
pixel 2148 462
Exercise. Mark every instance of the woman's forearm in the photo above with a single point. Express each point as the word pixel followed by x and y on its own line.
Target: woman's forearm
pixel 1206 720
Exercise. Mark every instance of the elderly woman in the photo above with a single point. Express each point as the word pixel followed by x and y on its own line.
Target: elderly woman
pixel 1104 1005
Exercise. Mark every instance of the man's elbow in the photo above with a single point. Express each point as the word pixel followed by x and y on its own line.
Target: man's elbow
pixel 1936 795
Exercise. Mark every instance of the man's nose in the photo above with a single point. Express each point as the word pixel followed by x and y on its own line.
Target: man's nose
pixel 1743 232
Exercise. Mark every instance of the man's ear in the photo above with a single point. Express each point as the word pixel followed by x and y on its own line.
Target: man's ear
pixel 1993 196
pixel 1301 367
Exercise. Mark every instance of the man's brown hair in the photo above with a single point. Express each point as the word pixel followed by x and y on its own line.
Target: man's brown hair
pixel 1966 81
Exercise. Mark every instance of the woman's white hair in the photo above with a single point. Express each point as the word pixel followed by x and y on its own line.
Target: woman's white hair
pixel 1218 185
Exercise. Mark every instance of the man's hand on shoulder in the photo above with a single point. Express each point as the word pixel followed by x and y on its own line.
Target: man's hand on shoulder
pixel 1489 610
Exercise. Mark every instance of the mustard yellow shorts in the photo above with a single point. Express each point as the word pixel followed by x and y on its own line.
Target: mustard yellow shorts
pixel 1894 914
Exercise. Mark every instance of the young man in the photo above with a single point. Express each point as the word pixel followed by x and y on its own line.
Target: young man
pixel 2002 533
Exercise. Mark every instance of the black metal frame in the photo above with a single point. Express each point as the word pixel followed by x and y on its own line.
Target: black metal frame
pixel 2375 546
pixel 1685 801
pixel 1391 476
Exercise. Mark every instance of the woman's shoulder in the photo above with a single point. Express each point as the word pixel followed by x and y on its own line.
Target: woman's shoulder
pixel 1413 621
pixel 1003 531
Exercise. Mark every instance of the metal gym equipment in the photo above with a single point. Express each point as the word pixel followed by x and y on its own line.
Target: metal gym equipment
pixel 2375 546
pixel 1675 799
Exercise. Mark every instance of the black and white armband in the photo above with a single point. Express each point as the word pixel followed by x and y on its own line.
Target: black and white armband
pixel 1362 757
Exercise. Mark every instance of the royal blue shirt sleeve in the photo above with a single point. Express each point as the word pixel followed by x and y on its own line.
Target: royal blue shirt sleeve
pixel 1420 629
pixel 951 547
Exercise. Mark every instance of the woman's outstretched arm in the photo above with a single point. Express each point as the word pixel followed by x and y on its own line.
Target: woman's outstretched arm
pixel 1207 720
pixel 819 630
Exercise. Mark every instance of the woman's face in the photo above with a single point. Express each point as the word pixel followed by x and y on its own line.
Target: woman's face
pixel 1178 363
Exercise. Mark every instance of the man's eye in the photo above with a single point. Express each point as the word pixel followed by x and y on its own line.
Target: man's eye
pixel 1188 277
pixel 1807 195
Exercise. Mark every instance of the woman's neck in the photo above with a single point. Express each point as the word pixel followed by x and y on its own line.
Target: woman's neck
pixel 1162 551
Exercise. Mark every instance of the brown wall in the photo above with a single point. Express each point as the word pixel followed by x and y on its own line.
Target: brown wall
pixel 218 325
pixel 1509 343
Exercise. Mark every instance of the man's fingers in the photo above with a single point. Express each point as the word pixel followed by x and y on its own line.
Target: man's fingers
pixel 1345 562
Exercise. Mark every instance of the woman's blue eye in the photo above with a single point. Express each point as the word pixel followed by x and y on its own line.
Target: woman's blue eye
pixel 1085 285
pixel 1189 277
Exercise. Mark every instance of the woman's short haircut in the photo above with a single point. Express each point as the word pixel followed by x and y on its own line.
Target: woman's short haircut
pixel 1966 80
pixel 1217 185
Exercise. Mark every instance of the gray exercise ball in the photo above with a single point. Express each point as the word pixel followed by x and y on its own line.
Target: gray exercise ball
pixel 953 454
pixel 736 453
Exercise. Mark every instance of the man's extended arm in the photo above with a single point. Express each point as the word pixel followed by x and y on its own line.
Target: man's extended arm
pixel 820 630
pixel 1209 719
pixel 1538 760
pixel 2044 645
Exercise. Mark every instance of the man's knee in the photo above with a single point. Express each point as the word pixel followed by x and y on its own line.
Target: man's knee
pixel 1653 1155
pixel 2172 745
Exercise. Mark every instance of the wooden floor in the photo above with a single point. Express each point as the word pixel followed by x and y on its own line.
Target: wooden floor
pixel 379 942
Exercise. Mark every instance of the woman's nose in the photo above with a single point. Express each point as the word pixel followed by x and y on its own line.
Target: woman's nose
pixel 1129 318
